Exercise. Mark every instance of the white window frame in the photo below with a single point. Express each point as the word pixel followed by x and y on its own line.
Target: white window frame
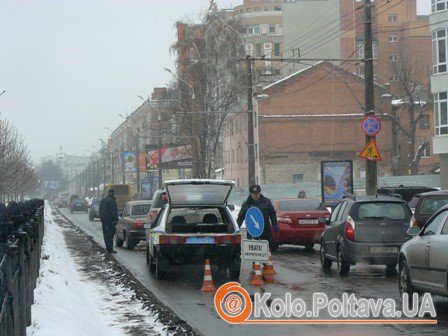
pixel 393 38
pixel 392 18
pixel 426 153
pixel 393 57
pixel 440 99
pixel 437 37
pixel 439 5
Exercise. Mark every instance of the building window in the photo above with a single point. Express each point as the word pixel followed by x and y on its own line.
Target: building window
pixel 258 52
pixel 441 113
pixel 272 28
pixel 393 38
pixel 258 9
pixel 361 51
pixel 277 49
pixel 250 49
pixel 277 8
pixel 426 150
pixel 392 18
pixel 423 123
pixel 439 5
pixel 440 46
pixel 393 57
pixel 393 78
pixel 298 178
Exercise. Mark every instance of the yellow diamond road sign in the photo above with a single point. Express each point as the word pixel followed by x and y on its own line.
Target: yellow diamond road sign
pixel 370 151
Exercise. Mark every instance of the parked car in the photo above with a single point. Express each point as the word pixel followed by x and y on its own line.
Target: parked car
pixel 405 192
pixel 94 210
pixel 78 205
pixel 130 226
pixel 158 201
pixel 367 229
pixel 195 224
pixel 301 222
pixel 423 261
pixel 427 205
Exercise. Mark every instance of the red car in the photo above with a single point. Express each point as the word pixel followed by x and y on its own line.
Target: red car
pixel 300 221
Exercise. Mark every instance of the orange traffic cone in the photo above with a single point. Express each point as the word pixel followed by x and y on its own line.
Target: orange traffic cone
pixel 269 267
pixel 257 279
pixel 208 285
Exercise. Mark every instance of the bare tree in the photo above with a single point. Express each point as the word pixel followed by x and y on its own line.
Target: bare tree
pixel 208 87
pixel 15 164
pixel 413 101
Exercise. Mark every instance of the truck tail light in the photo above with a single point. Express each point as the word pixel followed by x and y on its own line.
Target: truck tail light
pixel 228 239
pixel 350 229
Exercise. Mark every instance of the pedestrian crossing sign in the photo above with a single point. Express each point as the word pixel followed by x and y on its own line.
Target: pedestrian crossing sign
pixel 370 151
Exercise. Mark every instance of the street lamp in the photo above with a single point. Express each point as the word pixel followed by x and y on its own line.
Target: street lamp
pixel 183 81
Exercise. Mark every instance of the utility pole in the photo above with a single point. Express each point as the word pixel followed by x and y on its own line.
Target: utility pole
pixel 137 145
pixel 159 153
pixel 369 109
pixel 250 124
pixel 123 173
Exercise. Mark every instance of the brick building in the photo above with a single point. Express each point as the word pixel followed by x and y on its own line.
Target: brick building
pixel 310 116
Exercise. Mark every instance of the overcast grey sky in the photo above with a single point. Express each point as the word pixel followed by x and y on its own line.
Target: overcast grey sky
pixel 70 66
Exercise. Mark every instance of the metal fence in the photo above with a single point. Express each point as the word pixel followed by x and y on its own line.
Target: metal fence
pixel 20 250
pixel 313 189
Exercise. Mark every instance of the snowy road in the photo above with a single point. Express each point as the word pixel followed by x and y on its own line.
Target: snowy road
pixel 298 273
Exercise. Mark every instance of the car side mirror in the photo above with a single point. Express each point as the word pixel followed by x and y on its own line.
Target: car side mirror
pixel 414 231
pixel 231 207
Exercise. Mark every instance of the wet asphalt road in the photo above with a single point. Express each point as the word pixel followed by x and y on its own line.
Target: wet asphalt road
pixel 299 273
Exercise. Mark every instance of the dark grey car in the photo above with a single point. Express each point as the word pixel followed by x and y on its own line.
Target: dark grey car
pixel 367 229
pixel 424 259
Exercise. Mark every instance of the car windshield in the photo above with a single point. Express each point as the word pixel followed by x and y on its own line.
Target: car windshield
pixel 431 204
pixel 380 211
pixel 140 209
pixel 301 205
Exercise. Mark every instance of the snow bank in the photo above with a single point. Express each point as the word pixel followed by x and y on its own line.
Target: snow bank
pixel 66 303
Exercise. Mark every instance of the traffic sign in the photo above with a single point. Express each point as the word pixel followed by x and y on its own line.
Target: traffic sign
pixel 255 250
pixel 371 125
pixel 254 222
pixel 370 151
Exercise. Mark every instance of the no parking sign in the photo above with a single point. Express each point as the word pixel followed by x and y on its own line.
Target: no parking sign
pixel 371 125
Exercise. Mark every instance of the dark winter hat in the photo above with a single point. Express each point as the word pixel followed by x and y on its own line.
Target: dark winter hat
pixel 254 189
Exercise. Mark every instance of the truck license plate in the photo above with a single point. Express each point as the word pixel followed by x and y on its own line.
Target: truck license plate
pixel 308 221
pixel 383 249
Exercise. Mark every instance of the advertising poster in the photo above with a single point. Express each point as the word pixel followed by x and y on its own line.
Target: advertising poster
pixel 336 181
pixel 129 159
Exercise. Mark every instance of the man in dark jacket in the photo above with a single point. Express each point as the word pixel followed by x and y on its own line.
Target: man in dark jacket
pixel 109 218
pixel 256 199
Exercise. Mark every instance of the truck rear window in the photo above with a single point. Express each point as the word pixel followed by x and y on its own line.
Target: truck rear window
pixel 121 190
pixel 140 209
pixel 380 211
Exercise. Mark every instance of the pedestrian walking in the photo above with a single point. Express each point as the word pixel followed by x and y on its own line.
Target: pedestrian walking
pixel 264 204
pixel 302 194
pixel 109 218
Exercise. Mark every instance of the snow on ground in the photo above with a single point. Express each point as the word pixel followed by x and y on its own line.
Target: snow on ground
pixel 66 303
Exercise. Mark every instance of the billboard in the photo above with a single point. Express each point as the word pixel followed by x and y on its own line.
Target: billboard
pixel 336 181
pixel 129 161
pixel 172 158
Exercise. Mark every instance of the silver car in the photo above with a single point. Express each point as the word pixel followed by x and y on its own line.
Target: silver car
pixel 423 260
pixel 195 225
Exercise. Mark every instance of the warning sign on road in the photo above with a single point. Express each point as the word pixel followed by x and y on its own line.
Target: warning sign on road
pixel 370 151
pixel 255 250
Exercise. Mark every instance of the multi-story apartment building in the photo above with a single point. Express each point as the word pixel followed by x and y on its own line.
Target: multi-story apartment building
pixel 439 84
pixel 71 166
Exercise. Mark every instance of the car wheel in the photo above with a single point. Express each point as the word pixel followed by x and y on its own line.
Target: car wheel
pixel 309 247
pixel 118 241
pixel 404 279
pixel 324 261
pixel 160 274
pixel 343 266
pixel 130 244
pixel 235 269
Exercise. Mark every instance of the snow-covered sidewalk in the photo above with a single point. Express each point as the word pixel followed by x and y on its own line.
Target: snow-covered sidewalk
pixel 67 302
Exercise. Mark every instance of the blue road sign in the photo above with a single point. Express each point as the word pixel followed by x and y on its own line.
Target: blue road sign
pixel 371 125
pixel 254 222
